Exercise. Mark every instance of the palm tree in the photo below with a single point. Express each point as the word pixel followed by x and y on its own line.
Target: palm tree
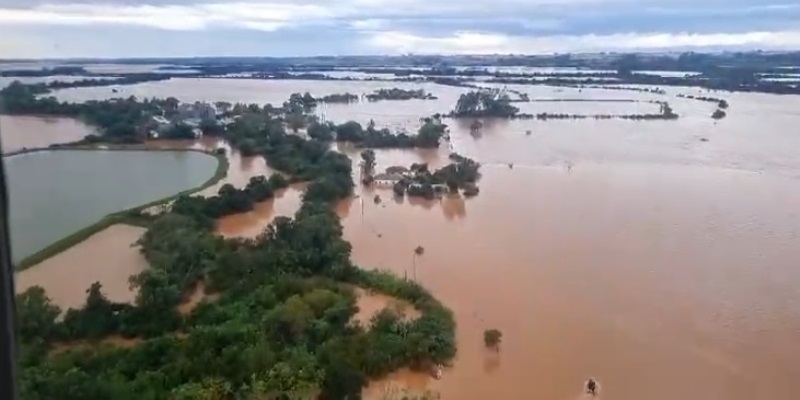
pixel 417 252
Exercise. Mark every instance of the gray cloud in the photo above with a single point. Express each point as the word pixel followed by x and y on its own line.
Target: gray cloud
pixel 87 27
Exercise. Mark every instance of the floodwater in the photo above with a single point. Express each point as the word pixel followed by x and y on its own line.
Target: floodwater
pixel 370 303
pixel 657 256
pixel 55 193
pixel 635 252
pixel 19 132
pixel 108 257
pixel 241 168
pixel 248 91
pixel 28 80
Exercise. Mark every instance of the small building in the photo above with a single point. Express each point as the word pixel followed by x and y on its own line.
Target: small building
pixel 397 169
pixel 160 124
pixel 440 188
pixel 157 126
pixel 199 111
pixel 386 180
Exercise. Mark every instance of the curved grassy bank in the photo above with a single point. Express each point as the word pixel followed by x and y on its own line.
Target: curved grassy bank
pixel 124 216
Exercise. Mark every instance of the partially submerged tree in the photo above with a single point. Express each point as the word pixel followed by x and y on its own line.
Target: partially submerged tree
pixel 492 337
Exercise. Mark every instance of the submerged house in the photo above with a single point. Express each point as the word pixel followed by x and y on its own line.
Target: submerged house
pixel 386 180
pixel 397 170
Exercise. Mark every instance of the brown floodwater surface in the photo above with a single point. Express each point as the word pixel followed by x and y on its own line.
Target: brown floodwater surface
pixel 636 274
pixel 19 132
pixel 108 257
pixel 659 257
pixel 240 169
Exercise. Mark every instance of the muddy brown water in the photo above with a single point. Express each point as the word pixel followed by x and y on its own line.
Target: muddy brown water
pixel 370 303
pixel 108 257
pixel 634 252
pixel 19 132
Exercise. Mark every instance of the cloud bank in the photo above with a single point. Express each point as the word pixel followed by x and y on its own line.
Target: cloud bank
pixel 129 28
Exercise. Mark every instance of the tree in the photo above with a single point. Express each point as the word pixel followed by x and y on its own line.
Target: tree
pixel 171 105
pixel 429 134
pixel 309 102
pixel 368 157
pixel 485 103
pixel 277 182
pixel 452 185
pixel 36 315
pixel 492 337
pixel 321 132
pixel 208 389
pixel 350 131
pixel 179 131
pixel 258 188
pixel 248 147
pixel 95 319
pixel 295 121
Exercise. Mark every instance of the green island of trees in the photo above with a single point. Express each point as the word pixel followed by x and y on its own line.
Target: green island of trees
pixel 461 173
pixel 280 322
pixel 718 114
pixel 484 103
pixel 117 119
pixel 400 94
pixel 339 98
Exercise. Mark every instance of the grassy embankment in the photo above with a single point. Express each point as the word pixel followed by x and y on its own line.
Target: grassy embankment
pixel 128 216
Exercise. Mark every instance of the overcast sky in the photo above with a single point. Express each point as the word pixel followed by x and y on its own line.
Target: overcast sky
pixel 140 28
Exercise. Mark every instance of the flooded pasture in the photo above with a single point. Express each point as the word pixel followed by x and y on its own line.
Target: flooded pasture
pixel 21 132
pixel 635 252
pixel 108 257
